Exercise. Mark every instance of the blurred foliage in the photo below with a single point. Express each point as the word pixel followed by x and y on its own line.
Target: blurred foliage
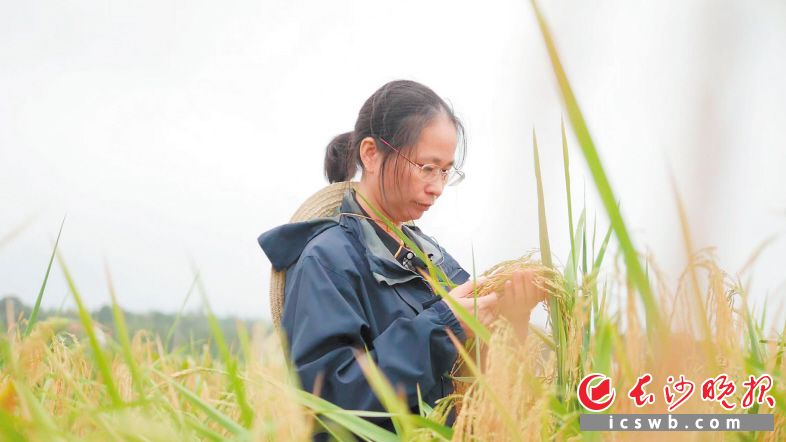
pixel 191 329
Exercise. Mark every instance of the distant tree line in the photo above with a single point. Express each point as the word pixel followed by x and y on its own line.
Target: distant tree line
pixel 190 330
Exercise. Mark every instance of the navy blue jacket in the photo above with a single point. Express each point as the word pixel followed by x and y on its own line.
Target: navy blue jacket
pixel 344 291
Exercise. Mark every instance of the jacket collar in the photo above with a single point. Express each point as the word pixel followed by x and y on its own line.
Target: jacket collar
pixel 284 244
pixel 383 265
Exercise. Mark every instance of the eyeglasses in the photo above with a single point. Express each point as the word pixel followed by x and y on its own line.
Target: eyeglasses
pixel 431 172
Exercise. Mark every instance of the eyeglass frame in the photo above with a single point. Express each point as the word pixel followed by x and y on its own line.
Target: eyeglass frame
pixel 444 173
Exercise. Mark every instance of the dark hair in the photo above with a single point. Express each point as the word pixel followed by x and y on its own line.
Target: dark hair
pixel 397 112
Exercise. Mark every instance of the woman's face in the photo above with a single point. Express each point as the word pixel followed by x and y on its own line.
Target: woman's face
pixel 413 195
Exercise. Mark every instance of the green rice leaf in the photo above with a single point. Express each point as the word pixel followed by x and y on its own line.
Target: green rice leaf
pixel 545 248
pixel 215 415
pixel 203 429
pixel 571 278
pixel 420 400
pixel 245 341
pixel 122 335
pixel 9 425
pixel 603 353
pixel 170 333
pixel 37 306
pixel 634 267
pixel 386 394
pixel 602 251
pixel 442 431
pixel 566 164
pixel 355 424
pixel 95 346
pixel 556 313
pixel 338 433
pixel 475 301
pixel 246 413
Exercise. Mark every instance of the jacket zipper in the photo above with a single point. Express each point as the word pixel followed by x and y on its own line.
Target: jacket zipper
pixel 441 375
pixel 433 294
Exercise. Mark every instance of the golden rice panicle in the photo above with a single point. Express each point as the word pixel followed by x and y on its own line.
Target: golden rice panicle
pixel 545 278
pixel 31 352
pixel 514 374
pixel 279 416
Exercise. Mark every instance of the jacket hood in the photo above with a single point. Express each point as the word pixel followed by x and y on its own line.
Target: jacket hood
pixel 284 244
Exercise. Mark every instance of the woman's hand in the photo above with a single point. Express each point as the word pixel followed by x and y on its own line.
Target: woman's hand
pixel 487 305
pixel 521 295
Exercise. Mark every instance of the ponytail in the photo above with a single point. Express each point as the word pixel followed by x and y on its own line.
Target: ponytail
pixel 339 162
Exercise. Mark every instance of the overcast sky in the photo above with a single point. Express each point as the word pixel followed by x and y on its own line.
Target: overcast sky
pixel 173 133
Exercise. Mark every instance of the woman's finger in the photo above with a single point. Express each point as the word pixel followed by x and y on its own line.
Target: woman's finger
pixel 466 289
pixel 489 303
pixel 489 300
pixel 508 291
pixel 520 289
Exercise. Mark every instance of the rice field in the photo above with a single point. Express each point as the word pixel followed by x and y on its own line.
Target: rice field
pixel 609 313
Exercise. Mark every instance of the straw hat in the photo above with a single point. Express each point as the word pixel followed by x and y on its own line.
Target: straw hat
pixel 324 203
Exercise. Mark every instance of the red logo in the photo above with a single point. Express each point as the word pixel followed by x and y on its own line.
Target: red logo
pixel 717 389
pixel 763 383
pixel 638 394
pixel 682 386
pixel 595 392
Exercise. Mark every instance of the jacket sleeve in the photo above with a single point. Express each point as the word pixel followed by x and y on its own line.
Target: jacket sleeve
pixel 325 321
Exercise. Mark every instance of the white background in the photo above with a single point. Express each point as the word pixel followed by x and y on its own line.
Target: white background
pixel 173 133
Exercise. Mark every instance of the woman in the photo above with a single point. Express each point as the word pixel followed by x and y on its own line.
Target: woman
pixel 352 285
